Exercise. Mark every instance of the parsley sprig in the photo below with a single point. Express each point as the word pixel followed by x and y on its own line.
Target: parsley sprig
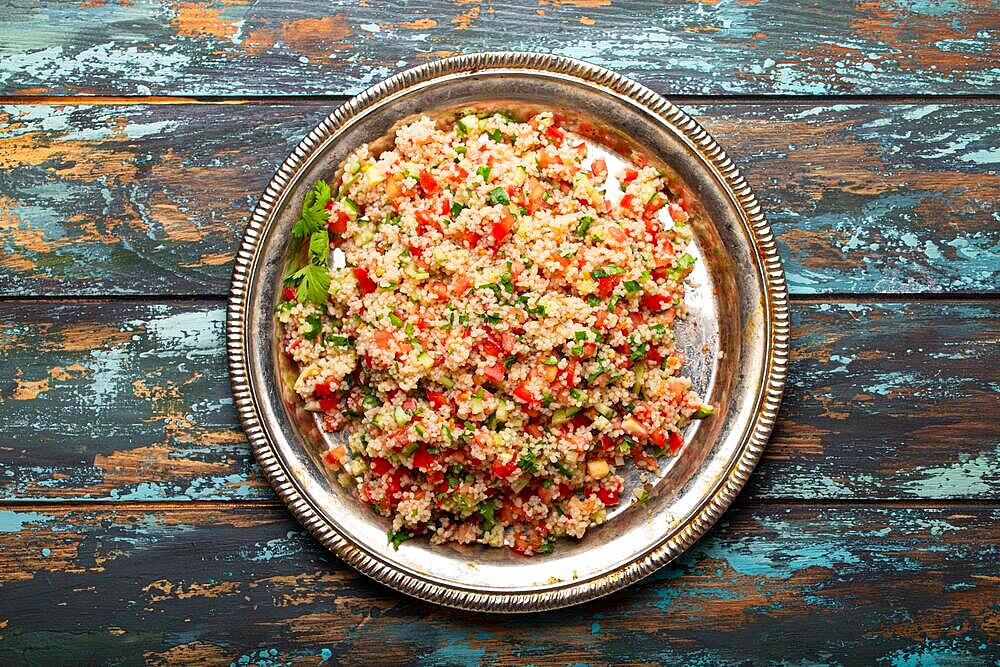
pixel 313 279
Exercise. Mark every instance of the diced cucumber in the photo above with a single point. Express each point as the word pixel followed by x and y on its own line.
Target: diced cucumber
pixel 352 208
pixel 401 416
pixel 703 412
pixel 563 415
pixel 446 382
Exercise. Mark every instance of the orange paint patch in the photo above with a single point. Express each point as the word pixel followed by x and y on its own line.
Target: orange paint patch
pixel 586 20
pixel 192 653
pixel 704 28
pixel 26 390
pixel 465 20
pixel 419 24
pixel 67 373
pixel 576 3
pixel 313 38
pixel 163 589
pixel 86 336
pixel 198 19
pixel 437 54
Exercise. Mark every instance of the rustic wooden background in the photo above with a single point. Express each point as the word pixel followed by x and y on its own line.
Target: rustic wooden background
pixel 134 138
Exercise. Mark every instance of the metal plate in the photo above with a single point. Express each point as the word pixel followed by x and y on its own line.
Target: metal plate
pixel 735 340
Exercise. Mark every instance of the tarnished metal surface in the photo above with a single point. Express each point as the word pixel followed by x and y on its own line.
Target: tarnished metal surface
pixel 736 341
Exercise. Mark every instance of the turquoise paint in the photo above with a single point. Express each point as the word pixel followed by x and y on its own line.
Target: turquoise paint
pixel 13 521
pixel 595 628
pixel 454 653
pixel 46 552
pixel 970 476
pixel 325 654
pixel 982 156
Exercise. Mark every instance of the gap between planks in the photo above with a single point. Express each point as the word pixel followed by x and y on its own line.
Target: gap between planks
pixel 804 299
pixel 117 100
pixel 29 505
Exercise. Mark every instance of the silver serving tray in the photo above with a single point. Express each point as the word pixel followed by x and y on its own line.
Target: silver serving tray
pixel 735 340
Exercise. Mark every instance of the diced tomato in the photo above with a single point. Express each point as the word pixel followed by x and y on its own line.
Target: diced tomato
pixel 438 289
pixel 589 350
pixel 677 213
pixel 460 285
pixel 329 204
pixel 501 229
pixel 600 318
pixel 658 439
pixel 607 444
pixel 607 496
pixel 630 175
pixel 436 399
pixel 656 302
pixel 491 347
pixel 659 273
pixel 616 233
pixel 462 173
pixel 427 183
pixel 410 404
pixel 395 483
pixel 380 466
pixel 338 225
pixel 505 470
pixel 415 250
pixel 652 227
pixel 545 158
pixel 365 283
pixel 676 442
pixel 555 135
pixel 446 207
pixel 569 374
pixel 422 459
pixel 533 430
pixel 321 389
pixel 653 354
pixel 331 457
pixel 626 201
pixel 327 404
pixel 436 477
pixel 424 221
pixel 523 393
pixel 495 373
pixel 548 373
pixel 507 341
pixel 469 239
pixel 606 285
pixel 599 168
pixel 654 206
pixel 383 338
pixel 536 195
pixel 288 294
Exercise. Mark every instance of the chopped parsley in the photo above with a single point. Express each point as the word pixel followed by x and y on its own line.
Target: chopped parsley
pixel 528 462
pixel 607 271
pixel 498 196
pixel 313 215
pixel 315 326
pixel 484 171
pixel 397 538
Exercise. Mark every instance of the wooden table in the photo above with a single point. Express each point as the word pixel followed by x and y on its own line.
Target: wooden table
pixel 134 139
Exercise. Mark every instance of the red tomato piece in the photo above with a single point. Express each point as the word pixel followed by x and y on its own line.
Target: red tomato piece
pixel 288 294
pixel 523 393
pixel 380 466
pixel 606 285
pixel 630 175
pixel 501 229
pixel 422 459
pixel 607 496
pixel 656 302
pixel 555 135
pixel 365 283
pixel 327 404
pixel 599 168
pixel 427 183
pixel 495 373
pixel 676 442
pixel 626 201
pixel 339 225
pixel 504 470
pixel 321 389
pixel 436 399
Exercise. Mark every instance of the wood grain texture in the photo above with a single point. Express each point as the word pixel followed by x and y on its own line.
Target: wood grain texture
pixel 798 585
pixel 152 200
pixel 283 47
pixel 130 401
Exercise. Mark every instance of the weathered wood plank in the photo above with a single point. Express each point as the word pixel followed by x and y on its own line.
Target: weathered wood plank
pixel 130 401
pixel 283 47
pixel 829 585
pixel 153 199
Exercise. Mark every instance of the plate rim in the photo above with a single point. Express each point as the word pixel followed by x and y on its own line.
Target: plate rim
pixel 757 431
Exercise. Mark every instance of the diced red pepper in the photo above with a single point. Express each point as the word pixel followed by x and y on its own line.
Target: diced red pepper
pixel 462 172
pixel 365 283
pixel 446 207
pixel 656 302
pixel 288 294
pixel 677 213
pixel 427 183
pixel 422 459
pixel 383 338
pixel 380 466
pixel 424 221
pixel 658 439
pixel 626 201
pixel 495 373
pixel 630 175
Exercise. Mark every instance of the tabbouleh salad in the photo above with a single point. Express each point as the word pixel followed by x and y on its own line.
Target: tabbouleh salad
pixel 488 314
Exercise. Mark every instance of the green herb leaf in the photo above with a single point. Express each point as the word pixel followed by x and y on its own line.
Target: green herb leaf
pixel 314 281
pixel 498 196
pixel 584 226
pixel 395 539
pixel 315 326
pixel 319 246
pixel 314 214
pixel 484 171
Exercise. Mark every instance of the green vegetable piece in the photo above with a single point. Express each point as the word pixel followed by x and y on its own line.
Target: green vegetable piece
pixel 563 415
pixel 397 538
pixel 498 196
pixel 703 412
